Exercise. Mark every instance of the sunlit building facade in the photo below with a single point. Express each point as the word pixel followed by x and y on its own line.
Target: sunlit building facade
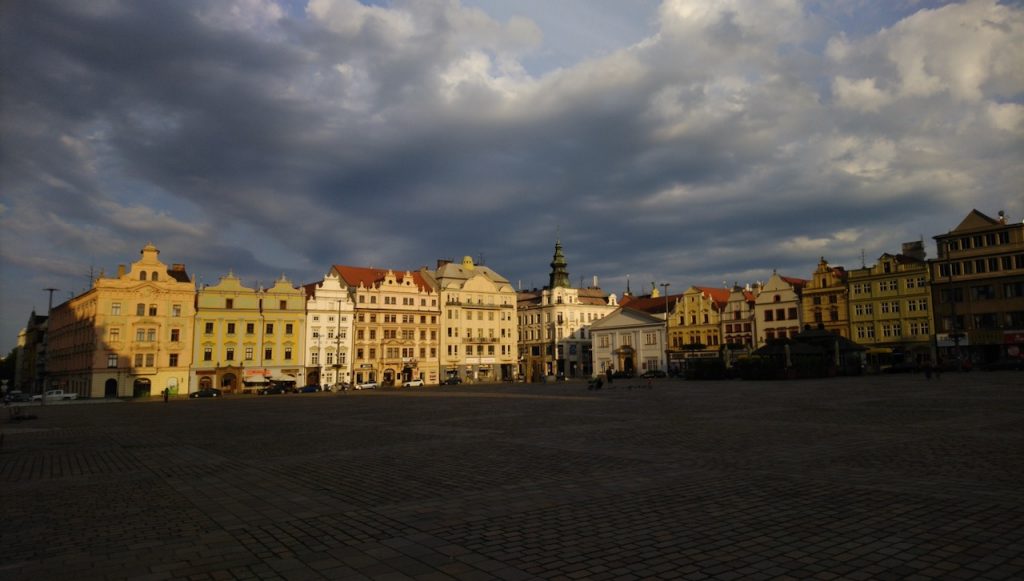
pixel 329 318
pixel 128 335
pixel 777 308
pixel 825 299
pixel 478 329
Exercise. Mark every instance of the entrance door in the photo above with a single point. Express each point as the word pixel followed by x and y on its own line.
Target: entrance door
pixel 110 388
pixel 141 388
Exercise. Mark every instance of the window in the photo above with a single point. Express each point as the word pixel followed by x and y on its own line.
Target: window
pixel 270 328
pixel 209 328
pixel 289 328
pixel 231 328
pixel 330 358
pixel 983 292
pixel 142 275
pixel 115 308
pixel 150 335
pixel 229 303
pixel 152 310
pixel 150 359
pixel 115 335
pixel 792 314
pixel 230 354
pixel 140 334
pixel 769 315
pixel 140 310
pixel 268 352
pixel 315 358
pixel 175 310
pixel 111 360
pixel 283 305
pixel 287 354
pixel 138 360
pixel 780 314
pixel 156 275
pixel 175 335
pixel 250 328
pixel 248 353
pixel 208 354
pixel 172 360
pixel 1013 289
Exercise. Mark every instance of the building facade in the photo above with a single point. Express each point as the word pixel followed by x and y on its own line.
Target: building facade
pixel 738 324
pixel 227 352
pixel 978 289
pixel 630 341
pixel 890 307
pixel 29 368
pixel 397 317
pixel 825 299
pixel 478 329
pixel 329 318
pixel 777 308
pixel 127 336
pixel 697 321
pixel 554 325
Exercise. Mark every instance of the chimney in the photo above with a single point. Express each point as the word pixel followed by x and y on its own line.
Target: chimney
pixel 120 270
pixel 595 282
pixel 914 250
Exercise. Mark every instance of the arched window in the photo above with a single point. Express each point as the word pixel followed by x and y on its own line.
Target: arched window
pixel 142 275
pixel 156 276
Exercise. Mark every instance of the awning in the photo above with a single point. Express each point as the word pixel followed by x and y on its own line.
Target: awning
pixel 281 377
pixel 255 379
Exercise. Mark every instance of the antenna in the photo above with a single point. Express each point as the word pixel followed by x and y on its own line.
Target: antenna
pixel 862 263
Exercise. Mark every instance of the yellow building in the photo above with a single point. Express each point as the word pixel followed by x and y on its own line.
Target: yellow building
pixel 127 336
pixel 695 326
pixel 478 330
pixel 825 302
pixel 396 325
pixel 246 338
pixel 890 307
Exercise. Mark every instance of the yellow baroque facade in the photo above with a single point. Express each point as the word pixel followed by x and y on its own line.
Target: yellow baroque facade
pixel 127 336
pixel 890 305
pixel 825 301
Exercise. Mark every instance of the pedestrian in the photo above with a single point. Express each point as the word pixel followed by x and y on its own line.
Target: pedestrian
pixel 608 374
pixel 167 394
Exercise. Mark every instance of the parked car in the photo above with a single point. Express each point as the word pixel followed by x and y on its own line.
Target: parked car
pixel 622 374
pixel 454 380
pixel 274 390
pixel 367 385
pixel 654 373
pixel 310 389
pixel 413 383
pixel 56 394
pixel 205 392
pixel 17 396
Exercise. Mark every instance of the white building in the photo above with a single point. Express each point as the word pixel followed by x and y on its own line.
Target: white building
pixel 329 316
pixel 628 340
pixel 777 308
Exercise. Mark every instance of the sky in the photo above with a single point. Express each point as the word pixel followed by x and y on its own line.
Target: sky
pixel 686 141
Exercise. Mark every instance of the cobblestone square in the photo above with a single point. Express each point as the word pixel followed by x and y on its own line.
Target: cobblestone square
pixel 892 477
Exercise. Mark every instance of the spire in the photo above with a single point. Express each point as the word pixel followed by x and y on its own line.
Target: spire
pixel 559 273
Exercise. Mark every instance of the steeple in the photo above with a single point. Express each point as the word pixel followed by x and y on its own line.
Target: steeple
pixel 559 273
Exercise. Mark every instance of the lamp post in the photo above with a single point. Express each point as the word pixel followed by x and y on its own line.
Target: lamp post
pixel 664 290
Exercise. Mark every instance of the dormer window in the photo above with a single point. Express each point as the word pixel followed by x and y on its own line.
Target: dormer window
pixel 156 276
pixel 142 275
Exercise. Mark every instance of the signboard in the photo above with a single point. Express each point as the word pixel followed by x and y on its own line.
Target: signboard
pixel 1013 337
pixel 946 340
pixel 366 366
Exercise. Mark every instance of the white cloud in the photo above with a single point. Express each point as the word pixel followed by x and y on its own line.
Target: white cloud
pixel 862 95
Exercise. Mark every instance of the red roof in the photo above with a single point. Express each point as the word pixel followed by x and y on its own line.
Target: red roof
pixel 719 295
pixel 368 277
pixel 795 282
pixel 649 305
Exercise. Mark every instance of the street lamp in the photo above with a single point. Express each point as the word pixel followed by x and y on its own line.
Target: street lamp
pixel 664 290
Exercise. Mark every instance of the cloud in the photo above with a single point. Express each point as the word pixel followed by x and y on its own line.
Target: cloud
pixel 694 141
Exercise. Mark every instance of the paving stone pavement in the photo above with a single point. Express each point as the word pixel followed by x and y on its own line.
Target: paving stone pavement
pixel 891 477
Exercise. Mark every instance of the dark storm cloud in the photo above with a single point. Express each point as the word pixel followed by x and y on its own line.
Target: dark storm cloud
pixel 738 137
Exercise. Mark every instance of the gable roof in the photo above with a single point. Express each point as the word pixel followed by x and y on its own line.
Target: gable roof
pixel 976 220
pixel 650 305
pixel 355 275
pixel 717 294
pixel 625 317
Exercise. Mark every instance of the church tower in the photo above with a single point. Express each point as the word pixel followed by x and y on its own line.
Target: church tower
pixel 559 273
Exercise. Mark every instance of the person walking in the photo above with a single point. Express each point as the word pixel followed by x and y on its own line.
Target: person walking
pixel 608 374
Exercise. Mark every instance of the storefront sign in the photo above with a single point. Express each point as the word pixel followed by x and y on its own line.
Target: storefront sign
pixel 946 340
pixel 1013 337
